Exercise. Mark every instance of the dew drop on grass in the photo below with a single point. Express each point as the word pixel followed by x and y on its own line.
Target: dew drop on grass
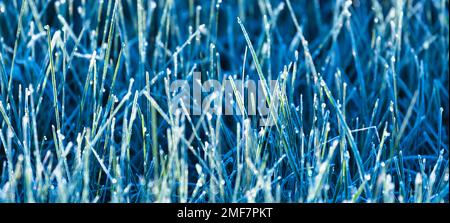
pixel 393 59
pixel 346 155
pixel 202 27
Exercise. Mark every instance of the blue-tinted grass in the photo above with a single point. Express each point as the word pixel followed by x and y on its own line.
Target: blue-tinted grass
pixel 87 114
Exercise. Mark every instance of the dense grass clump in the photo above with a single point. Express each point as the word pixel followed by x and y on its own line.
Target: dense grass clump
pixel 88 115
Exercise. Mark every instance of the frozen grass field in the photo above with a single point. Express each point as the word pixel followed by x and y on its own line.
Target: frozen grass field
pixel 88 115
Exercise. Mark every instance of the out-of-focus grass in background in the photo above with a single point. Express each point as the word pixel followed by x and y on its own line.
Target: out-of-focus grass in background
pixel 87 116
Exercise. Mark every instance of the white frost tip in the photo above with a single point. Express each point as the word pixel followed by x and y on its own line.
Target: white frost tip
pixel 202 28
pixel 152 4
